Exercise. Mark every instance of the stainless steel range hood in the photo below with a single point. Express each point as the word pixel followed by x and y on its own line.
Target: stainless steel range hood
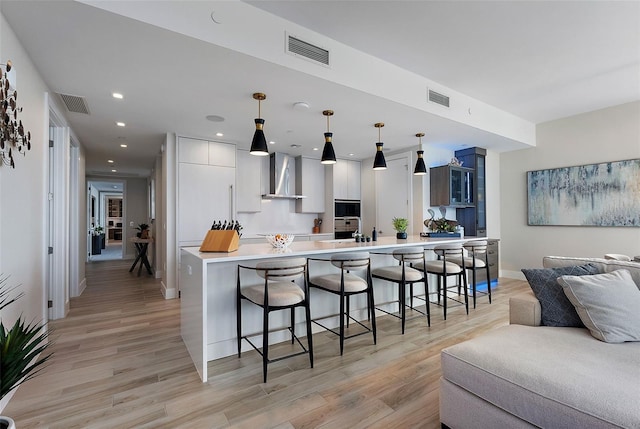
pixel 282 176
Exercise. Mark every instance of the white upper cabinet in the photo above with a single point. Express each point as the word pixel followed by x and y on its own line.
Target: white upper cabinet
pixel 310 183
pixel 248 180
pixel 222 154
pixel 193 151
pixel 196 151
pixel 346 180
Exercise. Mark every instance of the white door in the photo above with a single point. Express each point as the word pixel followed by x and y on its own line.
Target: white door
pixel 392 195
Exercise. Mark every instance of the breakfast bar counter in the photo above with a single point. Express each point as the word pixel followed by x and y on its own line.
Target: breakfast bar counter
pixel 207 284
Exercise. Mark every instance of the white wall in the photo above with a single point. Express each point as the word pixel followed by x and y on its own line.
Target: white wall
pixel 611 134
pixel 136 203
pixel 23 191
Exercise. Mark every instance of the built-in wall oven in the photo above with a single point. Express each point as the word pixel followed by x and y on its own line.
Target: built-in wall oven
pixel 345 227
pixel 347 208
pixel 347 218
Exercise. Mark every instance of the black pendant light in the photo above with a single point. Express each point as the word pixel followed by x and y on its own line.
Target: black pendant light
pixel 259 143
pixel 328 155
pixel 420 169
pixel 379 162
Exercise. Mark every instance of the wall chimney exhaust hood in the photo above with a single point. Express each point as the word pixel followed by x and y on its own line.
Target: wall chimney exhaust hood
pixel 282 176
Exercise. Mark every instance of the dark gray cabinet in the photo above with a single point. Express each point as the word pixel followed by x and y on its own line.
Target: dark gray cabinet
pixel 451 186
pixel 474 219
pixel 493 255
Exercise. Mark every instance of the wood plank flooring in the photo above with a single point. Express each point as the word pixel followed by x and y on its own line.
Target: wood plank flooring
pixel 119 362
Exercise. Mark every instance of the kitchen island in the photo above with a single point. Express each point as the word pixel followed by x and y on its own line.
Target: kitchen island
pixel 208 291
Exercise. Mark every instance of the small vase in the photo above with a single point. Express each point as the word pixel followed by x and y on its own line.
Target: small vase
pixel 401 235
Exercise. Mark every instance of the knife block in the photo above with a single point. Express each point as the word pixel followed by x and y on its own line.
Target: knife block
pixel 220 241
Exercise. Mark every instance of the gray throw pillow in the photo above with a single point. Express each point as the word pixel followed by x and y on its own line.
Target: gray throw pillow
pixel 608 304
pixel 556 308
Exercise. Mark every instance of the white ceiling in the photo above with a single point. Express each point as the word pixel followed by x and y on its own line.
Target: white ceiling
pixel 537 60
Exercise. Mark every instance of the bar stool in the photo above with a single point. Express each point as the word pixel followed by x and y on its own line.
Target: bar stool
pixel 443 267
pixel 278 292
pixel 404 275
pixel 477 258
pixel 345 284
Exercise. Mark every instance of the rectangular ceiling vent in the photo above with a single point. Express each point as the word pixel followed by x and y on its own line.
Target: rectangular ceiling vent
pixel 298 47
pixel 436 97
pixel 74 103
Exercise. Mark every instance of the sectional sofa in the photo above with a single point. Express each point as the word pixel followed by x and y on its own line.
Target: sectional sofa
pixel 526 375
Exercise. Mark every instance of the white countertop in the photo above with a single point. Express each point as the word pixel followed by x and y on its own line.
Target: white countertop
pixel 265 250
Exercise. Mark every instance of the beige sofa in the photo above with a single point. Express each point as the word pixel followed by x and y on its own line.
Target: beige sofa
pixel 526 375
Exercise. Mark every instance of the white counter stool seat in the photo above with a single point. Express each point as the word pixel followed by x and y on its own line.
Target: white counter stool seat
pixel 278 292
pixel 403 274
pixel 345 284
pixel 444 267
pixel 476 258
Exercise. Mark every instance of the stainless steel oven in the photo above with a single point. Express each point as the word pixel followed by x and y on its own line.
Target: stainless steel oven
pixel 346 226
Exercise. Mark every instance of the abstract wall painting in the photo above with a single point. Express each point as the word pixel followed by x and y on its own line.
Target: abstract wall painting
pixel 606 194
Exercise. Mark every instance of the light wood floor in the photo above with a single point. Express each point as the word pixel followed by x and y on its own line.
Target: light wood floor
pixel 119 362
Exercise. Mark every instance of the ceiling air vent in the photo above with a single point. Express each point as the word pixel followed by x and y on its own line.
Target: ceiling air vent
pixel 306 50
pixel 75 104
pixel 436 97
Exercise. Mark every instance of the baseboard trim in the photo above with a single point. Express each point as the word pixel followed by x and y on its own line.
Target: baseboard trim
pixel 168 293
pixel 512 275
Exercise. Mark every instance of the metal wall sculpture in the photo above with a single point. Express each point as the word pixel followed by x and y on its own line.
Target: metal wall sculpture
pixel 13 137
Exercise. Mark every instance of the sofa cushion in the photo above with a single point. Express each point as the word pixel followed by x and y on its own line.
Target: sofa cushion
pixel 550 377
pixel 608 304
pixel 604 265
pixel 557 310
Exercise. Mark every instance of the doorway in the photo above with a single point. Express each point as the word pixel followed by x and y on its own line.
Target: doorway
pixel 106 220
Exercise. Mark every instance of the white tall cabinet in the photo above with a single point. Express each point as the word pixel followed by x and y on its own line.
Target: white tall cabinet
pixel 310 183
pixel 346 180
pixel 206 187
pixel 249 182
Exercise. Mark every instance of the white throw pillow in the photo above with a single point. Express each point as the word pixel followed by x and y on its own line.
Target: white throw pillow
pixel 608 304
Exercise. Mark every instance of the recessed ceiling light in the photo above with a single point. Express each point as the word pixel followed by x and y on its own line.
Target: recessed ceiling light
pixel 296 146
pixel 110 161
pixel 117 95
pixel 215 118
pixel 123 145
pixel 351 154
pixel 114 170
pixel 115 186
pixel 219 134
pixel 120 124
pixel 272 142
pixel 315 148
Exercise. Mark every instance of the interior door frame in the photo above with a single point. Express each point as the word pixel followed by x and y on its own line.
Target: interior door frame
pixel 58 229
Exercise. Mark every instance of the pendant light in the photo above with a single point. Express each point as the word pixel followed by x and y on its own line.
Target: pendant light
pixel 379 162
pixel 420 169
pixel 259 143
pixel 328 155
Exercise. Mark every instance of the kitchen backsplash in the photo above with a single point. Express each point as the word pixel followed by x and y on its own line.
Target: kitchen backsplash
pixel 276 216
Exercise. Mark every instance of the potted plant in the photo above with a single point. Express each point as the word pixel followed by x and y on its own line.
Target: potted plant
pixel 400 224
pixel 21 346
pixel 144 230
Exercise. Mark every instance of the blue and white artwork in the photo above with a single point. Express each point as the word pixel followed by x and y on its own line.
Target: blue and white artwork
pixel 606 194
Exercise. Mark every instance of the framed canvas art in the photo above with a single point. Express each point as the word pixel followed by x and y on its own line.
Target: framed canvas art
pixel 606 194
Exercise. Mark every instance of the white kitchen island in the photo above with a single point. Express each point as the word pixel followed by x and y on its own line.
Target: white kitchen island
pixel 208 291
